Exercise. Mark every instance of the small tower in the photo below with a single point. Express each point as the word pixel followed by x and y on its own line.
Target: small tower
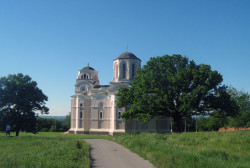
pixel 87 78
pixel 125 67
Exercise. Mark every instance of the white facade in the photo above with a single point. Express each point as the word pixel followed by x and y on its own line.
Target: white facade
pixel 93 107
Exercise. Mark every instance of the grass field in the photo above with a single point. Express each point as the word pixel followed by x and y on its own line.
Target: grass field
pixel 48 150
pixel 203 149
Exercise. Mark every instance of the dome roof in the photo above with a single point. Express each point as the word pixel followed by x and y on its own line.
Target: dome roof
pixel 87 68
pixel 126 55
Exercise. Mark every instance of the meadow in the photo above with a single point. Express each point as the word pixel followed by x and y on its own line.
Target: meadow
pixel 202 149
pixel 47 150
pixel 184 150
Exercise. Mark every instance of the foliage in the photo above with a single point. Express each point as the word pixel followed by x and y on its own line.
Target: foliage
pixel 175 87
pixel 221 119
pixel 242 99
pixel 53 125
pixel 212 123
pixel 20 98
pixel 67 121
pixel 47 124
pixel 42 151
pixel 202 149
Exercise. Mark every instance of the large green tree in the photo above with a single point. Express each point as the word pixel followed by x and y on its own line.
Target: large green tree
pixel 175 87
pixel 68 121
pixel 20 98
pixel 242 99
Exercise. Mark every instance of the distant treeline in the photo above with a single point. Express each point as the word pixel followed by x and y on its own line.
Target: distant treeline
pixel 49 124
pixel 52 125
pixel 57 124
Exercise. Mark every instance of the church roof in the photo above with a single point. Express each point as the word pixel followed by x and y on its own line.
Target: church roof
pixel 87 68
pixel 101 86
pixel 127 55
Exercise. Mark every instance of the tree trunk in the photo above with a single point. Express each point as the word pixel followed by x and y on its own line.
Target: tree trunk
pixel 17 132
pixel 177 123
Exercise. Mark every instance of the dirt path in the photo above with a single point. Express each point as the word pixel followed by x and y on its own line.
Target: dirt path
pixel 108 154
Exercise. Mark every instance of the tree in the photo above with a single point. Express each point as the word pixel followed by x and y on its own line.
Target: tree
pixel 242 99
pixel 67 121
pixel 175 87
pixel 20 98
pixel 47 124
pixel 54 124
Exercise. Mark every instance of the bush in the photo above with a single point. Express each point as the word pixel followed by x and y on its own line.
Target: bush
pixel 44 130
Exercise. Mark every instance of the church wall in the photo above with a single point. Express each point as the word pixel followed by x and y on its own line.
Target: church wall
pixel 82 87
pixel 120 124
pixel 137 65
pixel 120 71
pixel 86 115
pixel 116 70
pixel 96 122
pixel 73 113
pixel 94 117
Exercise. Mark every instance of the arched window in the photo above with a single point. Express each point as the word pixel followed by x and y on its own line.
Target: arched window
pixel 87 76
pixel 119 115
pixel 101 115
pixel 124 71
pixel 83 89
pixel 100 109
pixel 84 76
pixel 81 114
pixel 80 110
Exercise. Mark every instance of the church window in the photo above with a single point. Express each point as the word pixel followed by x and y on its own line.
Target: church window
pixel 100 109
pixel 101 115
pixel 87 76
pixel 133 71
pixel 84 76
pixel 119 115
pixel 80 114
pixel 80 104
pixel 124 71
pixel 83 89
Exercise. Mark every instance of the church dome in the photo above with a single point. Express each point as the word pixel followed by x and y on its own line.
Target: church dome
pixel 88 68
pixel 127 55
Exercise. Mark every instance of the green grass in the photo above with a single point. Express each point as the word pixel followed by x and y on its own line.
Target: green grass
pixel 48 150
pixel 203 149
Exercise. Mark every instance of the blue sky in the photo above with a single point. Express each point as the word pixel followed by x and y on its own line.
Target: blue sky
pixel 50 40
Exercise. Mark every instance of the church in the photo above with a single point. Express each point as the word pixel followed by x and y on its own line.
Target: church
pixel 93 106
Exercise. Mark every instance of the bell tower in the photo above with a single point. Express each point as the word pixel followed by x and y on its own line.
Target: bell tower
pixel 125 67
pixel 87 78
